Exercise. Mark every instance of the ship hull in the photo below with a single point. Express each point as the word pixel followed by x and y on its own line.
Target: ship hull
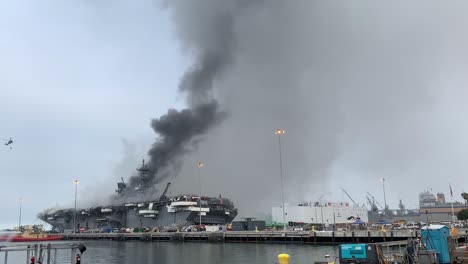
pixel 147 214
pixel 133 208
pixel 28 239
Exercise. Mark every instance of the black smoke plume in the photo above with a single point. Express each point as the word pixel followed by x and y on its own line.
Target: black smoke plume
pixel 180 132
pixel 363 91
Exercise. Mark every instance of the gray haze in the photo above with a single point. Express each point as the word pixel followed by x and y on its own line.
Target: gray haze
pixel 364 90
pixel 75 78
pixel 177 131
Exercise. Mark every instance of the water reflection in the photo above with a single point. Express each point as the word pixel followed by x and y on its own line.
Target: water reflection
pixel 110 252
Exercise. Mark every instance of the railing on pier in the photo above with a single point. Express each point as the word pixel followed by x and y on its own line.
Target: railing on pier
pixel 43 253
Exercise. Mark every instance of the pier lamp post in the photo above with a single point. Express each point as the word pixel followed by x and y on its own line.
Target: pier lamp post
pixel 280 132
pixel 334 221
pixel 321 205
pixel 76 182
pixel 430 206
pixel 321 214
pixel 384 198
pixel 199 165
pixel 20 205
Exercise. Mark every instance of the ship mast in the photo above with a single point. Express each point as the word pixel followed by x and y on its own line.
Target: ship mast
pixel 143 173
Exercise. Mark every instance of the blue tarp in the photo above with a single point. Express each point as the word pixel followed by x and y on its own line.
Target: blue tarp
pixel 383 222
pixel 358 222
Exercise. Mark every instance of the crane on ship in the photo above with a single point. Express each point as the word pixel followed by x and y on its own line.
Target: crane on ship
pixel 121 186
pixel 163 195
pixel 349 196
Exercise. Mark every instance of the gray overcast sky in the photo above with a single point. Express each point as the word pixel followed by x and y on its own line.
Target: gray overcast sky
pixel 77 77
pixel 364 90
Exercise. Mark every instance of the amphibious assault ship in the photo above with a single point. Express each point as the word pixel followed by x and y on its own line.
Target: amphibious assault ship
pixel 133 210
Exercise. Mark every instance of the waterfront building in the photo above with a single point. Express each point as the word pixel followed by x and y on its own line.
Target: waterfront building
pixel 320 213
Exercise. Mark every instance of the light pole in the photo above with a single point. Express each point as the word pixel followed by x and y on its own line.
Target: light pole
pixel 319 204
pixel 199 165
pixel 76 182
pixel 334 222
pixel 316 218
pixel 321 213
pixel 20 204
pixel 384 198
pixel 430 205
pixel 280 132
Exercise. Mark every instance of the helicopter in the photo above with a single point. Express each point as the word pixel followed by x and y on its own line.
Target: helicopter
pixel 8 142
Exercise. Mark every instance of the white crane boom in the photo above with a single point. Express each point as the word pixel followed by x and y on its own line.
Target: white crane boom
pixel 349 196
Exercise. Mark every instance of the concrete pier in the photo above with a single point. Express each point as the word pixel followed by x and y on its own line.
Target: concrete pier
pixel 301 237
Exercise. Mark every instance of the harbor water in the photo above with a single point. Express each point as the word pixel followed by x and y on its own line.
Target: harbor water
pixel 136 252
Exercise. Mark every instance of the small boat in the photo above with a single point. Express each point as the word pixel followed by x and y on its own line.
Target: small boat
pixel 27 234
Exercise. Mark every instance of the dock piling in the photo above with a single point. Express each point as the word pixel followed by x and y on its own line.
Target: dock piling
pixel 28 252
pixel 35 251
pixel 48 253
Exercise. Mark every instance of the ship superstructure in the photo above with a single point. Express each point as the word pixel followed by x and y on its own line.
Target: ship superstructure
pixel 436 204
pixel 133 210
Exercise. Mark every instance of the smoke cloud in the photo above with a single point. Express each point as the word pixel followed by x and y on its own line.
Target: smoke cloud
pixel 180 132
pixel 364 90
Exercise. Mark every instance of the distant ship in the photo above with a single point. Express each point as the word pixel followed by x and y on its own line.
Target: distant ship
pixel 27 234
pixel 133 210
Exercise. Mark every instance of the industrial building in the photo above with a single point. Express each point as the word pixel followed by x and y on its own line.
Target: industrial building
pixel 320 213
pixel 248 224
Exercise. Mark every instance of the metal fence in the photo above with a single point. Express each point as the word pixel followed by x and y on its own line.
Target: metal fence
pixel 42 253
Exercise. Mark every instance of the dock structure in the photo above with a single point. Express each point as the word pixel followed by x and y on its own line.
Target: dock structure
pixel 42 253
pixel 301 237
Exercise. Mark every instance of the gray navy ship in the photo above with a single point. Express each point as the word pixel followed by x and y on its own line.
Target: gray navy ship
pixel 131 209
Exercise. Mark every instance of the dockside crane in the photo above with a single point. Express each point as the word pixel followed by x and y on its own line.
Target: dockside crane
pixel 375 201
pixel 349 196
pixel 374 207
